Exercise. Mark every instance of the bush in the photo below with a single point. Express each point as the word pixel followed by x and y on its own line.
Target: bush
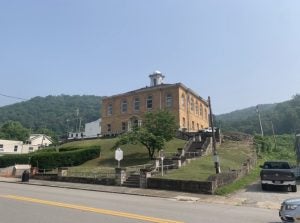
pixel 10 160
pixel 52 160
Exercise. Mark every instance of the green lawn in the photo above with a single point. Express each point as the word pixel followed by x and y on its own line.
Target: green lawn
pixel 133 154
pixel 232 156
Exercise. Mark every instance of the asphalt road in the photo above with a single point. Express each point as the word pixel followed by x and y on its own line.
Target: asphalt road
pixel 37 204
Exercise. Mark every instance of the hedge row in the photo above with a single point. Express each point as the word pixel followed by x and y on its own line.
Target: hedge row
pixel 51 160
pixel 10 160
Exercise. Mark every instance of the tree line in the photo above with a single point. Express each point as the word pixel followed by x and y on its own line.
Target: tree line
pixel 283 118
pixel 57 114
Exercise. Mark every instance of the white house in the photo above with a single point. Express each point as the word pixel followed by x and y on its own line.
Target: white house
pixel 91 130
pixel 34 142
pixel 40 140
pixel 15 147
pixel 10 146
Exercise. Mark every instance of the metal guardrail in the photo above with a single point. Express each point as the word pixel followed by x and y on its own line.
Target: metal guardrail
pixel 91 175
pixel 193 154
pixel 47 171
pixel 137 168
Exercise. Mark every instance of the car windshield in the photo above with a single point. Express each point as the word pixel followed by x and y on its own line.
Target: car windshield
pixel 276 165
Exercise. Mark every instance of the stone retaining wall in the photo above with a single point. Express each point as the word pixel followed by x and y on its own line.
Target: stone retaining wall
pixel 55 177
pixel 204 187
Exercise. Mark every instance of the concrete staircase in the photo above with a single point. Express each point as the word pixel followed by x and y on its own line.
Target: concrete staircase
pixel 132 181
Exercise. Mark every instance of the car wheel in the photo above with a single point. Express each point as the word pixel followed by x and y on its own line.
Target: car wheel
pixel 264 186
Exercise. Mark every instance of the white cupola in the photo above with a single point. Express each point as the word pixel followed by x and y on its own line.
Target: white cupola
pixel 156 78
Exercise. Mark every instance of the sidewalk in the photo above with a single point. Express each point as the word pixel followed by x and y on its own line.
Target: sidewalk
pixel 241 198
pixel 182 196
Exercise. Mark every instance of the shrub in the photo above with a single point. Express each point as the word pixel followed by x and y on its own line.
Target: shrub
pixel 10 160
pixel 51 160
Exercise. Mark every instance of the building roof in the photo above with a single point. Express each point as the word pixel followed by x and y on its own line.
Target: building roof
pixel 160 86
pixel 35 136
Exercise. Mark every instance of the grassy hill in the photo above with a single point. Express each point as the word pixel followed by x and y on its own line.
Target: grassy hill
pixel 133 154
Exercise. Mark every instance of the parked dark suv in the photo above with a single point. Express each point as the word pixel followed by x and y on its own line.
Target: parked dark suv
pixel 278 173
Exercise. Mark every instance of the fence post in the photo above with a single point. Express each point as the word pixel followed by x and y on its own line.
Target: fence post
pixel 144 175
pixel 120 176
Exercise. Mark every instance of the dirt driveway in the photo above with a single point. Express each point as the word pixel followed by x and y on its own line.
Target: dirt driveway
pixel 253 196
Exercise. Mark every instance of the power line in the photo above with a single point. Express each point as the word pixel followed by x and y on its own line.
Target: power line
pixel 8 96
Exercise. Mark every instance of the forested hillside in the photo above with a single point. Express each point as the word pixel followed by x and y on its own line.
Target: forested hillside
pixel 284 116
pixel 56 113
pixel 59 114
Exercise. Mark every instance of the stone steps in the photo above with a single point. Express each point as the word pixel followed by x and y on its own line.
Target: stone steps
pixel 132 181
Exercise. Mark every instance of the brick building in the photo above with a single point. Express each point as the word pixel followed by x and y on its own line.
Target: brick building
pixel 121 112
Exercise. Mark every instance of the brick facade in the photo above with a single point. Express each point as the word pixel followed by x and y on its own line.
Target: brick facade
pixel 121 112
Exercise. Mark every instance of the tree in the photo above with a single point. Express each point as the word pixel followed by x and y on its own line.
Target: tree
pixel 14 130
pixel 158 128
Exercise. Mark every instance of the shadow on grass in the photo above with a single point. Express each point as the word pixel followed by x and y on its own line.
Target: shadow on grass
pixel 129 160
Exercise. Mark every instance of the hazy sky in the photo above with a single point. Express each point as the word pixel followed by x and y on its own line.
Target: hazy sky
pixel 241 53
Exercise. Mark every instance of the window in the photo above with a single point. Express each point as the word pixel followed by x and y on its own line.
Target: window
pixel 136 104
pixel 198 126
pixel 193 125
pixel 183 122
pixel 183 100
pixel 136 123
pixel 109 127
pixel 1 146
pixel 109 109
pixel 124 106
pixel 123 126
pixel 205 112
pixel 197 108
pixel 169 100
pixel 201 110
pixel 30 148
pixel 192 104
pixel 16 149
pixel 149 102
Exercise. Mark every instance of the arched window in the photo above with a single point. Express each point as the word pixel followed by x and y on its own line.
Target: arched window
pixel 183 100
pixel 109 109
pixel 149 102
pixel 136 104
pixel 169 101
pixel 183 122
pixel 124 106
pixel 192 104
pixel 201 110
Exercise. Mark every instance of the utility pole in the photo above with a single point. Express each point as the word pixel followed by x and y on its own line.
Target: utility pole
pixel 214 147
pixel 261 128
pixel 77 120
pixel 274 137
